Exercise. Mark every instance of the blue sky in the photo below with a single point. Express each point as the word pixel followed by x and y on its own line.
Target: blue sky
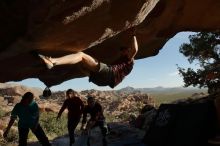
pixel 160 70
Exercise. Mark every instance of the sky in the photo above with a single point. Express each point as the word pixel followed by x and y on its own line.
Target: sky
pixel 160 70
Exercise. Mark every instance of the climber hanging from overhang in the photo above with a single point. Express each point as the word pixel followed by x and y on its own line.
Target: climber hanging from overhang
pixel 100 73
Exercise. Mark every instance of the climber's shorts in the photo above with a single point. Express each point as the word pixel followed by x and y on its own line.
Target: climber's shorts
pixel 103 77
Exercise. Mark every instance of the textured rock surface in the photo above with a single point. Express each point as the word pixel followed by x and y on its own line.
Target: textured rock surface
pixel 100 27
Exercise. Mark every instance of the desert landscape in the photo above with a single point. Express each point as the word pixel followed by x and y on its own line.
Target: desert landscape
pixel 121 108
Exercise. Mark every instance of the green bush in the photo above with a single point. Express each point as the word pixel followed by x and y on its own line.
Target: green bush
pixel 51 126
pixel 2 112
pixel 109 118
pixel 11 139
pixel 12 136
pixel 124 116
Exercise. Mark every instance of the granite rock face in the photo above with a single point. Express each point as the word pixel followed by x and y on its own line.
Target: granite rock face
pixel 98 27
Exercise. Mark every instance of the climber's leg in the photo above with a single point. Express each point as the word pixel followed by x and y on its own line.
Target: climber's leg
pixel 88 62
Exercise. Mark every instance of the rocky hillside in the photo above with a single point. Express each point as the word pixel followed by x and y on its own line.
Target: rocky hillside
pixel 121 105
pixel 13 89
pixel 116 103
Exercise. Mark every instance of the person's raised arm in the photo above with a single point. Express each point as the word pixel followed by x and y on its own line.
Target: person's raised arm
pixel 11 122
pixel 134 47
pixel 62 109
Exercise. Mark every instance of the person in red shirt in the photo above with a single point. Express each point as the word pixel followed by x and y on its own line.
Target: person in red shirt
pixel 100 73
pixel 75 108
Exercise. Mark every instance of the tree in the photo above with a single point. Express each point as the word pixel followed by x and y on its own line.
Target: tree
pixel 203 48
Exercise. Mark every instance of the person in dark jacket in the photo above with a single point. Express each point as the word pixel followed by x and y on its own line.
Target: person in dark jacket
pixel 75 109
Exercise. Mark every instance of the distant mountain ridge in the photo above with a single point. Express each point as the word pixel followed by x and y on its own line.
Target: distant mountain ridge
pixel 161 89
pixel 127 90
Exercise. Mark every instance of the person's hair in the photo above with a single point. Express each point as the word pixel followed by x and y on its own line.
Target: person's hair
pixel 69 91
pixel 27 95
pixel 90 97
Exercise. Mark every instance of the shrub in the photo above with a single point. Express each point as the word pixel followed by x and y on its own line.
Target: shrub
pixel 51 126
pixel 109 118
pixel 10 140
pixel 2 112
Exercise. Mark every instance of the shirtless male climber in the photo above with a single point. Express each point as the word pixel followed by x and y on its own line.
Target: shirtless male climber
pixel 100 73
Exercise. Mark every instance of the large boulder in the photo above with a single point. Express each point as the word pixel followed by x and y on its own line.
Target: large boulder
pixel 98 27
pixel 188 123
